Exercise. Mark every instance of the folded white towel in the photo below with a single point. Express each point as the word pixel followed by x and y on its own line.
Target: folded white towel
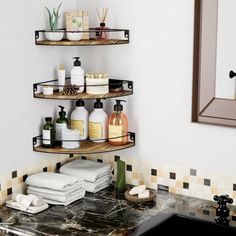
pixel 54 181
pixel 68 202
pixel 90 187
pixel 56 197
pixel 59 193
pixel 85 169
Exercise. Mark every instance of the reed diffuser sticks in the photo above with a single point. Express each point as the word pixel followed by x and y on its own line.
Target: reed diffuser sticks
pixel 102 17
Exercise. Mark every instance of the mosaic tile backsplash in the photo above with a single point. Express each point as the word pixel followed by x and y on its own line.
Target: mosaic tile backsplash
pixel 184 181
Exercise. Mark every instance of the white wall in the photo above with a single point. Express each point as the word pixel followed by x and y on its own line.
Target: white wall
pixel 158 60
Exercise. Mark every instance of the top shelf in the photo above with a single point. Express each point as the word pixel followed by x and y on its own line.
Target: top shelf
pixel 122 37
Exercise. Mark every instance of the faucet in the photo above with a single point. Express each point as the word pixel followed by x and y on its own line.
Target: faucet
pixel 222 211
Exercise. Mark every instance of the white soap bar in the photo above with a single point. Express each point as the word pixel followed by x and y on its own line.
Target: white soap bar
pixel 144 194
pixel 137 190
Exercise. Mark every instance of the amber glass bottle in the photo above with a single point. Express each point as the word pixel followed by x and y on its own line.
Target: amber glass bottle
pixel 118 126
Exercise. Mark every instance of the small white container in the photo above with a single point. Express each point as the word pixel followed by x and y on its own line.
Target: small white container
pixel 97 83
pixel 54 35
pixel 61 76
pixel 47 90
pixel 74 36
pixel 70 139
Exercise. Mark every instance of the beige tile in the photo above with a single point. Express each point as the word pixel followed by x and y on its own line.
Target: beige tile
pixel 186 178
pixel 200 180
pixel 135 175
pixel 172 190
pixel 160 173
pixel 141 182
pixel 214 191
pixel 179 184
pixel 9 183
pixel 154 179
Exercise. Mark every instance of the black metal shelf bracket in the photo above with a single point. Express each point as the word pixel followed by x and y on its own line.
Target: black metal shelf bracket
pixel 132 136
pixel 131 85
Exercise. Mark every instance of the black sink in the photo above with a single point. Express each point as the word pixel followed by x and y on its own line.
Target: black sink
pixel 182 225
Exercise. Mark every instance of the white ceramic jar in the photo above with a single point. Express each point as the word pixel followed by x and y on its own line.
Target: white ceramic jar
pixel 97 83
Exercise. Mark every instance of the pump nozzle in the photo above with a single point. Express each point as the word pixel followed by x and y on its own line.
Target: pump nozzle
pixel 77 61
pixel 118 107
pixel 62 112
pixel 98 104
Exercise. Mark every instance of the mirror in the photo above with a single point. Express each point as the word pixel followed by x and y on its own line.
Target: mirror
pixel 226 58
pixel 213 91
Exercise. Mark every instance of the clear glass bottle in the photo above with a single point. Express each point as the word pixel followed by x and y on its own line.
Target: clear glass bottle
pixel 48 133
pixel 118 126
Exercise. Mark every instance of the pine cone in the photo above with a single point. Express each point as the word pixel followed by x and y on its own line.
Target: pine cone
pixel 70 90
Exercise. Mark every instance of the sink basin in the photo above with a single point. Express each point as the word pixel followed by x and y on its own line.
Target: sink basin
pixel 181 225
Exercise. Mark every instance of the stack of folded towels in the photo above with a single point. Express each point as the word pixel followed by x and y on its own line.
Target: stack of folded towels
pixel 57 189
pixel 96 175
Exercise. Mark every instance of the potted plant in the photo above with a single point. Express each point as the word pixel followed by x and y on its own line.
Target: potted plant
pixel 54 34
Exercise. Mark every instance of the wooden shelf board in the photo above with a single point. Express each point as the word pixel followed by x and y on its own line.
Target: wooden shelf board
pixel 86 147
pixel 57 95
pixel 87 42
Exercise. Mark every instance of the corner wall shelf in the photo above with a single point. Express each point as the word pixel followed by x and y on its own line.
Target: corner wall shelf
pixel 84 42
pixel 86 147
pixel 126 84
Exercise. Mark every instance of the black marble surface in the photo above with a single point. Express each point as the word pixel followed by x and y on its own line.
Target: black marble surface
pixel 102 214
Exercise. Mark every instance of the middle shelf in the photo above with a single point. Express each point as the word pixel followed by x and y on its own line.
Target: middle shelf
pixel 86 147
pixel 117 88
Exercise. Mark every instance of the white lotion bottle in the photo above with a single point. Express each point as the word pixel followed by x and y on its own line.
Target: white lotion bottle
pixel 98 123
pixel 79 119
pixel 77 75
pixel 61 76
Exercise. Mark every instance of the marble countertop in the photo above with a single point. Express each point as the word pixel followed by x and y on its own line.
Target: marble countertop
pixel 102 214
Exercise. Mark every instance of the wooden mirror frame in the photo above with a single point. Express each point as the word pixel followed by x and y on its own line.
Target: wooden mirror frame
pixel 206 108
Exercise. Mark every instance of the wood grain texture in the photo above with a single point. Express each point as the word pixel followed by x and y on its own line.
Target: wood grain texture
pixel 86 147
pixel 88 42
pixel 57 95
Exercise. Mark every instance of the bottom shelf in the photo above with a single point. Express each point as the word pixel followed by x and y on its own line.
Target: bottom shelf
pixel 86 147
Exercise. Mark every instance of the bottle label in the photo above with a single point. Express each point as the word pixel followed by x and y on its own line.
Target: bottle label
pixel 115 131
pixel 59 128
pixel 79 125
pixel 47 135
pixel 95 130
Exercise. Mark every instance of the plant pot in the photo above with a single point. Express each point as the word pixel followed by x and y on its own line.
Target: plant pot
pixel 54 35
pixel 74 36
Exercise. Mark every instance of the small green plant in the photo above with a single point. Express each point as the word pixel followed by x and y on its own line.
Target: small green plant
pixel 54 17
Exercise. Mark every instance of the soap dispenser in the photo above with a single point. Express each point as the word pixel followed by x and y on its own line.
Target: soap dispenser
pixel 118 125
pixel 79 119
pixel 98 123
pixel 77 75
pixel 61 124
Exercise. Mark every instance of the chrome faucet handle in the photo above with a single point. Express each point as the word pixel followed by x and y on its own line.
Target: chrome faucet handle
pixel 222 211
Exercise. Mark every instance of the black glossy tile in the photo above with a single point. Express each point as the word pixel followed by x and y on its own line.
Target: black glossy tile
pixel 24 177
pixel 207 182
pixel 185 185
pixel 9 191
pixel 100 160
pixel 172 175
pixel 58 165
pixel 154 172
pixel 116 158
pixel 129 168
pixel 83 158
pixel 14 174
pixel 45 169
pixel 234 187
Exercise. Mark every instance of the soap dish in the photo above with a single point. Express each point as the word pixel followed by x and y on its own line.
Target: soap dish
pixel 31 209
pixel 134 198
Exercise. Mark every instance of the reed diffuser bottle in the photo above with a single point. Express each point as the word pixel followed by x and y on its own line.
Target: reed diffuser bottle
pixel 102 32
